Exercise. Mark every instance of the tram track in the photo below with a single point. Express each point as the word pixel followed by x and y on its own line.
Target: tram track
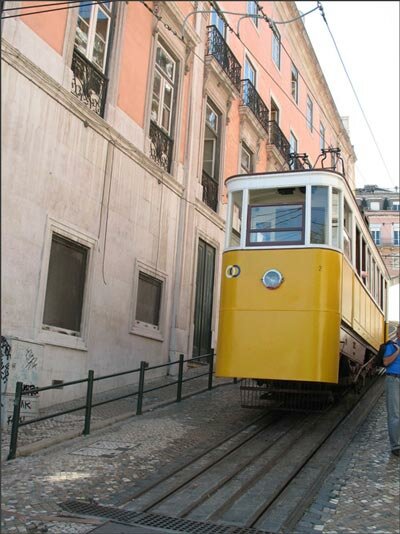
pixel 260 479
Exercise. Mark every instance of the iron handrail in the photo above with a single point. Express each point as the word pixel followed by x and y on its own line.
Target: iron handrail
pixel 144 367
pixel 252 99
pixel 218 48
pixel 277 138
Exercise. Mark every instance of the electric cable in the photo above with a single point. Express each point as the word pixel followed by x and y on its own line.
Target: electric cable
pixel 355 92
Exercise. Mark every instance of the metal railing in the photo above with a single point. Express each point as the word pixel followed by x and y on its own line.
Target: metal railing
pixel 160 147
pixel 277 138
pixel 253 100
pixel 88 83
pixel 218 48
pixel 210 191
pixel 20 392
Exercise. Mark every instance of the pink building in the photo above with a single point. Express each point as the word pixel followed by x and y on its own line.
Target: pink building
pixel 382 209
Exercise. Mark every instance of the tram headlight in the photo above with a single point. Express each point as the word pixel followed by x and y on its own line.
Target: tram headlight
pixel 272 279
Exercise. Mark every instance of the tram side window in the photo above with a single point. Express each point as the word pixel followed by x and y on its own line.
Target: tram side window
pixel 364 261
pixel 373 274
pixel 335 217
pixel 347 230
pixel 369 274
pixel 236 219
pixel 276 217
pixel 381 295
pixel 358 250
pixel 319 215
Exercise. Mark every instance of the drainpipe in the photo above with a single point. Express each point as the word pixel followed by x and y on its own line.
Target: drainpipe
pixel 183 215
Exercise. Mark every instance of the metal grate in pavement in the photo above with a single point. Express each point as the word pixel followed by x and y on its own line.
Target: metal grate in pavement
pixel 172 524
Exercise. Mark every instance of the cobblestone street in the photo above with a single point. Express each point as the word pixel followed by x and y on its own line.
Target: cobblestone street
pixel 360 495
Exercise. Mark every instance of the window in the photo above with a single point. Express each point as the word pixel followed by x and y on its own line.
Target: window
pixel 211 156
pixel 376 233
pixel 249 74
pixel 293 149
pixel 246 160
pixel 396 205
pixel 211 142
pixel 163 90
pixel 321 136
pixel 295 83
pixel 335 217
pixel 236 219
pixel 395 262
pixel 217 21
pixel 347 231
pixel 319 215
pixel 396 234
pixel 249 71
pixel 65 286
pixel 276 217
pixel 163 104
pixel 252 9
pixel 374 205
pixel 309 113
pixel 276 46
pixel 93 31
pixel 148 303
pixel 274 114
pixel 358 250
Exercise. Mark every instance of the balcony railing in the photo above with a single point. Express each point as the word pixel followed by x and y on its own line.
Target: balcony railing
pixel 277 138
pixel 88 83
pixel 253 100
pixel 160 147
pixel 210 191
pixel 218 48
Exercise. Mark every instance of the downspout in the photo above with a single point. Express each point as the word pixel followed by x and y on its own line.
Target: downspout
pixel 183 214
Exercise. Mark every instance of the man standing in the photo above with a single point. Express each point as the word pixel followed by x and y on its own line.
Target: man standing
pixel 391 360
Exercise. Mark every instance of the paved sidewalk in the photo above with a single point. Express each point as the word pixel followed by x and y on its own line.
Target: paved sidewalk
pixel 35 436
pixel 360 495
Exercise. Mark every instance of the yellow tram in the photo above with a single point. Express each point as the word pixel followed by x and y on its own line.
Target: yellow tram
pixel 304 289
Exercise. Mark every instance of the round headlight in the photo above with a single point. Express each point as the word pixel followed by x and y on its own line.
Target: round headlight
pixel 272 279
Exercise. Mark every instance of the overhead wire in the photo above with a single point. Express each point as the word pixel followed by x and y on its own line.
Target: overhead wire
pixel 355 92
pixel 70 4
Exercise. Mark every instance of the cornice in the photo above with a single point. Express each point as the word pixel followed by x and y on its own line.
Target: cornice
pixel 176 18
pixel 43 81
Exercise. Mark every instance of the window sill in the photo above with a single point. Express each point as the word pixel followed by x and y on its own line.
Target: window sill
pixel 144 331
pixel 49 337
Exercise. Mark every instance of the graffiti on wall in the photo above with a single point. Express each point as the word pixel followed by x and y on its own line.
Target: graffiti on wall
pixel 20 362
pixel 5 361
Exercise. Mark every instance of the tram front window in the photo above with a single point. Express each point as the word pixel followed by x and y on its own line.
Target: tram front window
pixel 236 219
pixel 276 217
pixel 319 215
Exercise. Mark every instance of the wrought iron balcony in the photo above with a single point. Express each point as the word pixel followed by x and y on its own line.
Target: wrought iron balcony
pixel 277 138
pixel 253 100
pixel 210 191
pixel 160 147
pixel 88 83
pixel 217 47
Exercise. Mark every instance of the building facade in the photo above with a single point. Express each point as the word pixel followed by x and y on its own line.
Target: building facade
pixel 382 209
pixel 121 122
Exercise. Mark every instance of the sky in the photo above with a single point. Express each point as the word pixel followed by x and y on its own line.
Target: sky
pixel 367 36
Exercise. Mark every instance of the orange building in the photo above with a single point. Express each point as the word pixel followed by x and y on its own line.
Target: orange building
pixel 121 122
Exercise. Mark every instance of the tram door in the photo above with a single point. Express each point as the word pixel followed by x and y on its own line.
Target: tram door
pixel 204 299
